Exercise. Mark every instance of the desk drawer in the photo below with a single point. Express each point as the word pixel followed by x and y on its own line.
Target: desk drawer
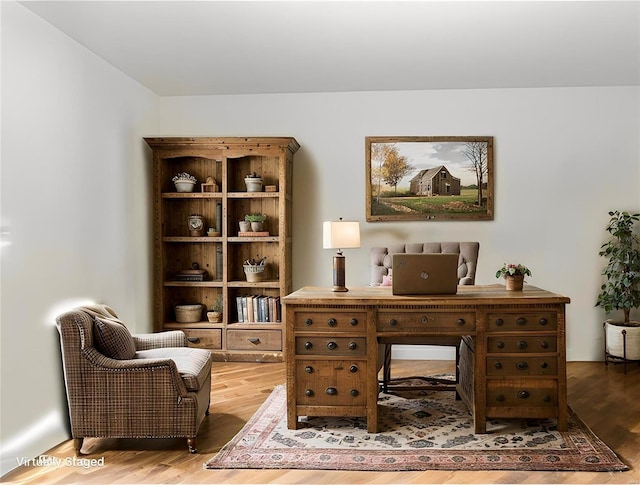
pixel 353 346
pixel 204 339
pixel 506 322
pixel 522 344
pixel 522 394
pixel 331 382
pixel 425 320
pixel 335 321
pixel 522 366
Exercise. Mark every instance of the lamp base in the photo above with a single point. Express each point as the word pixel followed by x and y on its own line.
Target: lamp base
pixel 339 288
pixel 338 273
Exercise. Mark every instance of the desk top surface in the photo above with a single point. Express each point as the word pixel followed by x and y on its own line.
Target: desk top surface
pixel 381 295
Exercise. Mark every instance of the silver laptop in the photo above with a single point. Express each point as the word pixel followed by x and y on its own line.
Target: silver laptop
pixel 424 274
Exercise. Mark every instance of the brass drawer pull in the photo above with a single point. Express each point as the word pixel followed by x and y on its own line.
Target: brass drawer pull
pixel 393 322
pixel 332 322
pixel 544 344
pixel 543 321
pixel 499 322
pixel 522 365
pixel 353 346
pixel 544 365
pixel 424 319
pixel 521 321
pixel 332 345
pixel 193 340
pixel 460 322
pixel 521 345
pixel 500 344
pixel 498 365
pixel 354 392
pixel 308 322
pixel 308 392
pixel 353 368
pixel 254 341
pixel 523 394
pixel 354 322
pixel 332 391
pixel 308 369
pixel 308 345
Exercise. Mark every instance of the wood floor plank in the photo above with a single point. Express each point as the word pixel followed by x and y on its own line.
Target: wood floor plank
pixel 606 399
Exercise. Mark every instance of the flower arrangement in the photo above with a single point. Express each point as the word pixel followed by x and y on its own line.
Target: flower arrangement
pixel 184 176
pixel 511 269
pixel 253 175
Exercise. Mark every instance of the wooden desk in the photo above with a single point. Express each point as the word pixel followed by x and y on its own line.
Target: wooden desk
pixel 517 369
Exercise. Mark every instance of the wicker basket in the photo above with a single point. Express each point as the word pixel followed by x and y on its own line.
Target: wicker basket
pixel 254 272
pixel 188 313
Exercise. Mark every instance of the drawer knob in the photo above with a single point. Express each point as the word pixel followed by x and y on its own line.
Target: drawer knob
pixel 393 322
pixel 460 322
pixel 354 392
pixel 308 322
pixel 308 369
pixel 308 345
pixel 544 365
pixel 308 392
pixel 521 345
pixel 332 391
pixel 500 398
pixel 500 344
pixel 543 321
pixel 521 321
pixel 354 322
pixel 546 398
pixel 522 365
pixel 332 322
pixel 498 365
pixel 194 340
pixel 353 346
pixel 523 394
pixel 424 319
pixel 353 368
pixel 254 341
pixel 499 322
pixel 544 344
pixel 332 345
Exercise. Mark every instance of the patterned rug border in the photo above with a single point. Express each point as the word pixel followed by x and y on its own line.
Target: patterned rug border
pixel 585 452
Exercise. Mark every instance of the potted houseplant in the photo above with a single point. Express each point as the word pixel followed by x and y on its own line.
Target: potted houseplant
pixel 184 182
pixel 622 289
pixel 256 220
pixel 254 269
pixel 513 274
pixel 253 182
pixel 214 315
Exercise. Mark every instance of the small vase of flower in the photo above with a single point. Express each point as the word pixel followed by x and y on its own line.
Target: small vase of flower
pixel 513 275
pixel 184 182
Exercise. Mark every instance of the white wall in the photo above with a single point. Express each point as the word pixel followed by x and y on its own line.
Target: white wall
pixel 563 158
pixel 74 199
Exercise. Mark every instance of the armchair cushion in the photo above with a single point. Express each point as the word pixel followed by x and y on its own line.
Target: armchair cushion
pixel 113 339
pixel 194 365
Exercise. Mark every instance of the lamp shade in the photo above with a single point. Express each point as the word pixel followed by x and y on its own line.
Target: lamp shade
pixel 340 234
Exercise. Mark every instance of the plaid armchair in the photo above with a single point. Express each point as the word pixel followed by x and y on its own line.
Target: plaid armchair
pixel 121 385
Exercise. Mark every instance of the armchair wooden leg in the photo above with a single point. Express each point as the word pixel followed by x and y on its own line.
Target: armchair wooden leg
pixel 77 445
pixel 191 443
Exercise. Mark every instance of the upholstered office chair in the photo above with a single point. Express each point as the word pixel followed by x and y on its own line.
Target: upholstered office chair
pixel 380 266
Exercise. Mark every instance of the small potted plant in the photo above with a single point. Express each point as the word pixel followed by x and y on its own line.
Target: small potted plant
pixel 513 275
pixel 622 289
pixel 253 182
pixel 184 182
pixel 254 269
pixel 256 220
pixel 211 232
pixel 214 315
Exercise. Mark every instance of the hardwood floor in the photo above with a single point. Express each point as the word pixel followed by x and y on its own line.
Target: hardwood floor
pixel 606 399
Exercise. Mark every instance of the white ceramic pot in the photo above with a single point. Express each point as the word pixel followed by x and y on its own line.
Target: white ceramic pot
pixel 254 184
pixel 184 185
pixel 615 341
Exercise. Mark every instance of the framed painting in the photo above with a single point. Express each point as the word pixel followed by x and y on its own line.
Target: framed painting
pixel 429 178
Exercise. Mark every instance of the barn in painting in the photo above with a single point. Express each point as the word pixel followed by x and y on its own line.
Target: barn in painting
pixel 435 181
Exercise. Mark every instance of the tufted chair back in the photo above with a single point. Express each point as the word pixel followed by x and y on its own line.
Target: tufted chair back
pixel 467 260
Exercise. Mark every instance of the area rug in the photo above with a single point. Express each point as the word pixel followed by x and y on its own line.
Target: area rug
pixel 419 431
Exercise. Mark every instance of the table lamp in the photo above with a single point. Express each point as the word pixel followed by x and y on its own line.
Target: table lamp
pixel 340 235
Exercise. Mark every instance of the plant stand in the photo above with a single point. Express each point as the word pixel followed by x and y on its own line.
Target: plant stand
pixel 616 359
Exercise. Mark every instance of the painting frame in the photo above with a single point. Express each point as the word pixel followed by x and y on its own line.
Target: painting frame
pixel 433 194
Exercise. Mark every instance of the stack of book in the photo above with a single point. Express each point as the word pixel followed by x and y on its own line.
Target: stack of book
pixel 258 308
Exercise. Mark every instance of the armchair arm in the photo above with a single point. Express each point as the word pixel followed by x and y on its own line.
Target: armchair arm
pixel 172 338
